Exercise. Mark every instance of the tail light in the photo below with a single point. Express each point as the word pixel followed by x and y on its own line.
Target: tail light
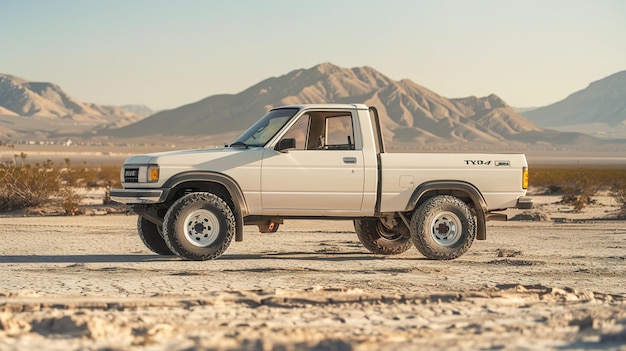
pixel 525 178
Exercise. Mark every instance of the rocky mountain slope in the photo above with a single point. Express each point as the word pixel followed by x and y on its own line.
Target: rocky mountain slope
pixel 410 112
pixel 19 97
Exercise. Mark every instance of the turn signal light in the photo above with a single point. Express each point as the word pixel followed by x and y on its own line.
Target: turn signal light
pixel 153 174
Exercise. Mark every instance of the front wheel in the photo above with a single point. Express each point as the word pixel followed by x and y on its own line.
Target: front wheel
pixel 379 239
pixel 199 226
pixel 443 228
pixel 151 235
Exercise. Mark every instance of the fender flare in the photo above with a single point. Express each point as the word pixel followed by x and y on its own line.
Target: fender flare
pixel 233 188
pixel 452 186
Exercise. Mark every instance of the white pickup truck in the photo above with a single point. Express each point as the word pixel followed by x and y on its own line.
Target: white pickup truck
pixel 324 161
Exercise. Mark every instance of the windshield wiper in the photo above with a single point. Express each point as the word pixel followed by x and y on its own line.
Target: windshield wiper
pixel 238 143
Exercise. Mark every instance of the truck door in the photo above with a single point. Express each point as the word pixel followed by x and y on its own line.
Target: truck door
pixel 322 174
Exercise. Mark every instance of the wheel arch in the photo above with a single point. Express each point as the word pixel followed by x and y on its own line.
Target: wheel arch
pixel 463 190
pixel 218 183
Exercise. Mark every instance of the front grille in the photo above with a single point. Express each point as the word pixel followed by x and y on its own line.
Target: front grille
pixel 131 175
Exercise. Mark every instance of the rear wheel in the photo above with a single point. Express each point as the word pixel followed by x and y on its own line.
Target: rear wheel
pixel 151 235
pixel 381 240
pixel 199 226
pixel 443 228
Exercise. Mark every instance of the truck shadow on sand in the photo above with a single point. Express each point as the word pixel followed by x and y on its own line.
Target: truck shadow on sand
pixel 84 258
pixel 316 256
pixel 139 258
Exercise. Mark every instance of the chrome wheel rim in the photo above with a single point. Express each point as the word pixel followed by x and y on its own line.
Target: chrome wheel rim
pixel 201 228
pixel 445 229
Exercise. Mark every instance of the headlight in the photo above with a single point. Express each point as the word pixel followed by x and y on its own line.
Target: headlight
pixel 140 173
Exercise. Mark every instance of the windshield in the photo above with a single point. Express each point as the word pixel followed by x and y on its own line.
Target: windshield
pixel 264 129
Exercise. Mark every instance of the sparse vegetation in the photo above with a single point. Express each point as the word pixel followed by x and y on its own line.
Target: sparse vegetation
pixel 618 192
pixel 71 187
pixel 26 186
pixel 603 178
pixel 578 186
pixel 23 185
pixel 105 177
pixel 578 191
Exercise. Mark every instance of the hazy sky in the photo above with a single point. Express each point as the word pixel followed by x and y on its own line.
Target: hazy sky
pixel 169 53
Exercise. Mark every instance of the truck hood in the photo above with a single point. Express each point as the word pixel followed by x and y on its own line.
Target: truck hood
pixel 185 158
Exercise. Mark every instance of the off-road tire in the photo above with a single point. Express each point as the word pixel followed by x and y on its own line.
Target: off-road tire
pixel 443 228
pixel 379 239
pixel 199 226
pixel 151 236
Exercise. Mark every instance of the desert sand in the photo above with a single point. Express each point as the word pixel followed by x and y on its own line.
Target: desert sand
pixel 88 283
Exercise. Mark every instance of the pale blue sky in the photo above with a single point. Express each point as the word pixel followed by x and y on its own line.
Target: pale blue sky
pixel 169 53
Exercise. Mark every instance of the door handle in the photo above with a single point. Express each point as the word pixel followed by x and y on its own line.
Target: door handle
pixel 350 160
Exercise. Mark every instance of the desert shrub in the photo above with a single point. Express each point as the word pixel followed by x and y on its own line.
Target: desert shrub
pixel 105 177
pixel 101 175
pixel 578 191
pixel 26 186
pixel 70 199
pixel 618 192
pixel 71 189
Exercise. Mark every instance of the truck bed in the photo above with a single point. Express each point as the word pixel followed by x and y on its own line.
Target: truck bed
pixel 498 176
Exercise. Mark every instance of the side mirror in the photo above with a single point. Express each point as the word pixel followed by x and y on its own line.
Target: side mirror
pixel 284 144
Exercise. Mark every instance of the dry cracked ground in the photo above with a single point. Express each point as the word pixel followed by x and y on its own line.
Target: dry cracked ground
pixel 87 283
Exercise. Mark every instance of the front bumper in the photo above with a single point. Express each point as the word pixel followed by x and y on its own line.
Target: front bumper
pixel 139 196
pixel 524 203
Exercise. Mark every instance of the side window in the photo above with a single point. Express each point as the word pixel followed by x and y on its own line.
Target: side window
pixel 299 132
pixel 330 130
pixel 339 133
pixel 322 131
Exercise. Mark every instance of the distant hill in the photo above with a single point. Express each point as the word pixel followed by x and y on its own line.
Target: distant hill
pixel 603 101
pixel 522 110
pixel 19 97
pixel 410 112
pixel 141 110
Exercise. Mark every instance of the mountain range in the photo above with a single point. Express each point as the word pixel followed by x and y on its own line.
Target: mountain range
pixel 48 106
pixel 410 113
pixel 598 109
